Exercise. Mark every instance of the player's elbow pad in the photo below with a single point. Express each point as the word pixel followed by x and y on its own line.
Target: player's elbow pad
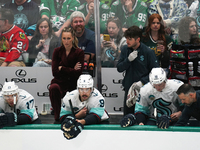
pixel 92 119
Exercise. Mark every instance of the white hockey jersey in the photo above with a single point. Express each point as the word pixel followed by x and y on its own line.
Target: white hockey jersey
pixel 166 102
pixel 25 105
pixel 95 104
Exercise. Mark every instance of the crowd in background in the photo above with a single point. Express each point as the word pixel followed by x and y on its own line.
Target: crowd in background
pixel 115 17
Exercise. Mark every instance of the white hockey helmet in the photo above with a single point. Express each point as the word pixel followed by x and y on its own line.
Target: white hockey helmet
pixel 10 88
pixel 157 76
pixel 85 81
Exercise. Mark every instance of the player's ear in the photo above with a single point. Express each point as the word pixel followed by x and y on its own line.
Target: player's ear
pixel 192 95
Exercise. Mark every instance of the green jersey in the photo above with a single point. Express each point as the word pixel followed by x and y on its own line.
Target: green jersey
pixel 58 11
pixel 152 44
pixel 104 12
pixel 137 17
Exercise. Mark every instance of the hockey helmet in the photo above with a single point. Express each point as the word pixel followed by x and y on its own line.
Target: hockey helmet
pixel 157 76
pixel 85 81
pixel 10 88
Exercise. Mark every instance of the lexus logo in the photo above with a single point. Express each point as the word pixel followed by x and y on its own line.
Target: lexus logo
pixel 20 73
pixel 104 88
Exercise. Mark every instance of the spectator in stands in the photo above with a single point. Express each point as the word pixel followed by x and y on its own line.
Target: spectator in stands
pixel 172 11
pixel 42 44
pixel 13 40
pixel 67 66
pixel 191 99
pixel 26 15
pixel 58 11
pixel 86 37
pixel 159 94
pixel 87 9
pixel 130 12
pixel 188 32
pixel 136 60
pixel 111 49
pixel 88 107
pixel 156 39
pixel 17 106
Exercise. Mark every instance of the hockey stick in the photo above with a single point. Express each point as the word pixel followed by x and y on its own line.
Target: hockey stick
pixel 14 104
pixel 71 107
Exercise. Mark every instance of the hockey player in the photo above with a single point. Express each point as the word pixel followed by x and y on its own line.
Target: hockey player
pixel 13 41
pixel 130 12
pixel 88 107
pixel 17 106
pixel 158 104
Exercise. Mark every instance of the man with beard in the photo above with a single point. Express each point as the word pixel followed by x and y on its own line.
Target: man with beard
pixel 137 61
pixel 84 106
pixel 86 37
pixel 191 99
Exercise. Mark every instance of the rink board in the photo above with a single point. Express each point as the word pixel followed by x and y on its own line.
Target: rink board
pixel 100 137
pixel 36 81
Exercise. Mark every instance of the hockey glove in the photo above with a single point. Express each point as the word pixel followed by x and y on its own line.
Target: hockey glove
pixel 163 122
pixel 132 55
pixel 128 120
pixel 68 124
pixel 8 119
pixel 133 93
pixel 74 132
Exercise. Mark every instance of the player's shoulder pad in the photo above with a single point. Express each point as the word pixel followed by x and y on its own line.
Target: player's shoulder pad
pixel 81 7
pixel 116 3
pixel 105 6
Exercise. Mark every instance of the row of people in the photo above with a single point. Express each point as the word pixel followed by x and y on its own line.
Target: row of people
pixel 159 102
pixel 42 45
pixel 130 12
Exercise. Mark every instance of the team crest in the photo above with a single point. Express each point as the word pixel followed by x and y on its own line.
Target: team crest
pixel 22 35
pixel 152 97
pixel 4 44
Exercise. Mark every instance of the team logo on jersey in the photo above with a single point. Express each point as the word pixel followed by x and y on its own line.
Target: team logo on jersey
pixel 151 97
pixel 4 44
pixel 22 35
pixel 142 58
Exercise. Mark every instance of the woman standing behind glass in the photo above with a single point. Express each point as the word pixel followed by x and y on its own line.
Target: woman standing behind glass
pixel 42 44
pixel 156 39
pixel 188 31
pixel 67 66
pixel 111 48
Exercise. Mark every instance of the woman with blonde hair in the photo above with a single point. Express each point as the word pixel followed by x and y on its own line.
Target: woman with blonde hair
pixel 67 66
